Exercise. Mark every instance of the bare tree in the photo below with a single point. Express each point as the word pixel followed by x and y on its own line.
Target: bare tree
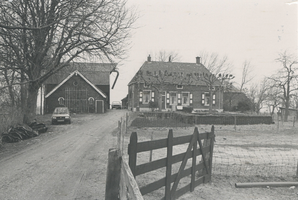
pixel 274 98
pixel 165 56
pixel 246 74
pixel 46 35
pixel 220 72
pixel 258 94
pixel 286 79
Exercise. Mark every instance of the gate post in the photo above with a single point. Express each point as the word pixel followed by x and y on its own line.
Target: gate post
pixel 212 139
pixel 132 152
pixel 113 175
pixel 169 165
pixel 194 160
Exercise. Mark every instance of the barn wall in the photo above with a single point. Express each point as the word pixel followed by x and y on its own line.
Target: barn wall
pixel 74 83
pixel 106 90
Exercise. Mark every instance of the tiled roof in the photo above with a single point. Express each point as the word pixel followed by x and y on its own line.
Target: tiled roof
pixel 76 72
pixel 97 73
pixel 172 73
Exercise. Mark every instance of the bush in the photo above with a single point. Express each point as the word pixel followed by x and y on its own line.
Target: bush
pixel 187 109
pixel 243 106
pixel 153 105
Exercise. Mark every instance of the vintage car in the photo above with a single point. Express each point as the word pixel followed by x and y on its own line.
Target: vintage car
pixel 61 115
pixel 116 104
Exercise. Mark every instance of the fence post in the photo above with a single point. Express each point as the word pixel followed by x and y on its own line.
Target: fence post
pixel 194 160
pixel 113 175
pixel 235 122
pixel 212 139
pixel 169 165
pixel 132 152
pixel 297 170
pixel 277 122
pixel 119 135
pixel 151 151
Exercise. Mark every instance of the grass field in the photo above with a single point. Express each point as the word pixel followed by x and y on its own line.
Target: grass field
pixel 247 153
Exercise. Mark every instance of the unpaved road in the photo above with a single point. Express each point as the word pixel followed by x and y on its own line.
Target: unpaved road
pixel 69 164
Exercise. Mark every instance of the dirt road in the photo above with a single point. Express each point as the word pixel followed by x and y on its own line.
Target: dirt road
pixel 68 162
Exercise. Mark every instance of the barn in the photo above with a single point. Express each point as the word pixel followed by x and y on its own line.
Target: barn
pixel 82 87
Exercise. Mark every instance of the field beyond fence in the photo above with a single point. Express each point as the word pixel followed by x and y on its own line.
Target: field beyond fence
pixel 249 153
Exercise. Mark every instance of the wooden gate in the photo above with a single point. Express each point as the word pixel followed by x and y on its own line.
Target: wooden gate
pixel 199 172
pixel 99 106
pixel 76 100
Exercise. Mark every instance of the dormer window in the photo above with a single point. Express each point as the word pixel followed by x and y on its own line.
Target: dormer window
pixel 146 85
pixel 179 86
pixel 61 101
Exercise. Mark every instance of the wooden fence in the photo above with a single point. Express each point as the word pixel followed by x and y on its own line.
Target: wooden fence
pixel 200 172
pixel 120 182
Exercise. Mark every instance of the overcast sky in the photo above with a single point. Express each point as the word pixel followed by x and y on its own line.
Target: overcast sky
pixel 254 30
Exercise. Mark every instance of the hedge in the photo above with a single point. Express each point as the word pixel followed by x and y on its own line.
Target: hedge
pixel 212 119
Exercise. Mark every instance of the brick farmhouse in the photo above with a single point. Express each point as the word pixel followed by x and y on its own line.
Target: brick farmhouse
pixel 173 85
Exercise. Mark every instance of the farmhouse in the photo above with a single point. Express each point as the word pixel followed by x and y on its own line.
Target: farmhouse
pixel 82 87
pixel 173 86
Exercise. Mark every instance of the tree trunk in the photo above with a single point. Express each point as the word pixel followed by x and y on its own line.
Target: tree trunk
pixel 30 110
pixel 23 93
pixel 210 101
pixel 286 113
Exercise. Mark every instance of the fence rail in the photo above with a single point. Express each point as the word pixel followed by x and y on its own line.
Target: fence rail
pixel 202 170
pixel 120 182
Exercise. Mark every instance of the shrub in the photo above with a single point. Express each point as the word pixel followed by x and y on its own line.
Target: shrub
pixel 187 109
pixel 243 106
pixel 153 105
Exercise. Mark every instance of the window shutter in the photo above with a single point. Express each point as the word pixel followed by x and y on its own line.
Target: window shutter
pixel 152 96
pixel 190 98
pixel 213 99
pixel 141 97
pixel 168 98
pixel 203 98
pixel 179 99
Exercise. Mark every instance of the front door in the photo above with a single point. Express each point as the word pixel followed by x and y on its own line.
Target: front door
pixel 99 106
pixel 163 102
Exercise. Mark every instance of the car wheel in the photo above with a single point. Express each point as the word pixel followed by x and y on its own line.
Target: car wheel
pixel 53 122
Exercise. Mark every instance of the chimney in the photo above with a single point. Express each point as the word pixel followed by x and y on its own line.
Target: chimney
pixel 198 60
pixel 170 58
pixel 149 58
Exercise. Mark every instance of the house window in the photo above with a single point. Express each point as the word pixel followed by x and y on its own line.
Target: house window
pixel 179 86
pixel 75 83
pixel 206 99
pixel 173 98
pixel 185 98
pixel 61 101
pixel 91 100
pixel 146 97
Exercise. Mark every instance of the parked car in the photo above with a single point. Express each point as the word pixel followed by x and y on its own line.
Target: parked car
pixel 61 115
pixel 116 104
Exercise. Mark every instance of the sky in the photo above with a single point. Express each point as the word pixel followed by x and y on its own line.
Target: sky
pixel 253 30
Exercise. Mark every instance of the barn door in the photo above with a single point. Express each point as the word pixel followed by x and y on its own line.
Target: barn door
pixel 99 106
pixel 76 99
